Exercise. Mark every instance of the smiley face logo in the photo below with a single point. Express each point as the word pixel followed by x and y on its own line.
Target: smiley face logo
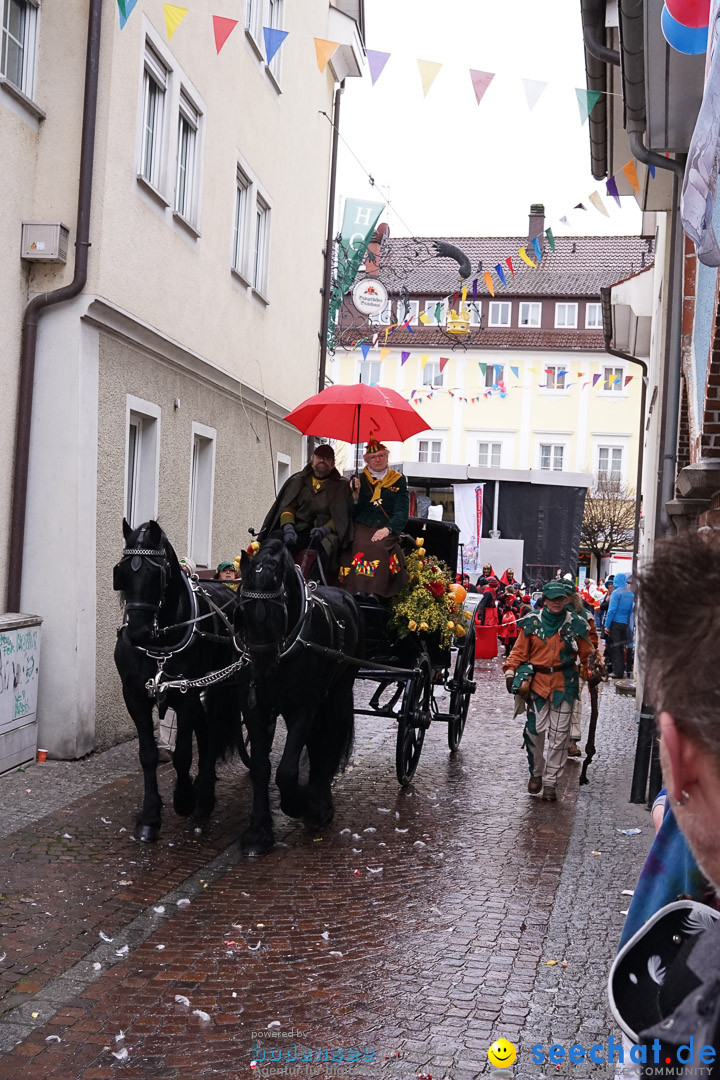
pixel 502 1054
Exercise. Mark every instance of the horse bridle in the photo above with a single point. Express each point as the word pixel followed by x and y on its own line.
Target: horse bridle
pixel 163 567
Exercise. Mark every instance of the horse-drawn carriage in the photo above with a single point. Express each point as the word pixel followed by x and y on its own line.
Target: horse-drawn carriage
pixel 231 662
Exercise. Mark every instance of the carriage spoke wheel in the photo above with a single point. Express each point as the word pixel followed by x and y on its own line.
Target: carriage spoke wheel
pixel 464 687
pixel 413 722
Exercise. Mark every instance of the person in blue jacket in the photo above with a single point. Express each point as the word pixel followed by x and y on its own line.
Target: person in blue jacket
pixel 619 624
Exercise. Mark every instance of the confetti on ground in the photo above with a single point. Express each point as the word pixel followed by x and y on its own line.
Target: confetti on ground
pixel 53 1038
pixel 159 909
pixel 375 869
pixel 630 832
pixel 97 967
pixel 121 1055
pixel 183 903
pixel 628 892
pixel 123 951
pixel 345 832
pixel 205 1017
pixel 383 810
pixel 370 829
pixel 401 830
pixel 254 948
pixel 182 1000
pixel 325 934
pixel 550 963
pixel 334 952
pixel 419 843
pixel 105 937
pixel 160 947
pixel 274 1023
pixel 105 821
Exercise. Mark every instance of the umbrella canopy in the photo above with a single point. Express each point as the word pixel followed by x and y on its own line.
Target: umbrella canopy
pixel 354 413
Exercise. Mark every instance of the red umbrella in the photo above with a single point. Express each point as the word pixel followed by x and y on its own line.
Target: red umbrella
pixel 354 413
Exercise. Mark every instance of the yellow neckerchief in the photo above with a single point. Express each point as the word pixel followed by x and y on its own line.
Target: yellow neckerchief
pixel 389 480
pixel 316 484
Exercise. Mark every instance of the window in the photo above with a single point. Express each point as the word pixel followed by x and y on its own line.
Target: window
pixel 141 460
pixel 436 310
pixel 530 315
pixel 429 450
pixel 202 474
pixel 275 20
pixel 494 374
pixel 188 123
pixel 282 470
pixel 613 379
pixel 408 309
pixel 18 44
pixel 499 313
pixel 551 457
pixel 155 86
pixel 241 226
pixel 384 317
pixel 370 371
pixel 490 454
pixel 254 18
pixel 593 317
pixel 262 245
pixel 566 316
pixel 555 376
pixel 610 463
pixel 432 375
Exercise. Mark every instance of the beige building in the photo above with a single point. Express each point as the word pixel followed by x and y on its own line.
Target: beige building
pixel 160 388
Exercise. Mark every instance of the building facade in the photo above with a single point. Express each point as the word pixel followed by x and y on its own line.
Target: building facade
pixel 160 389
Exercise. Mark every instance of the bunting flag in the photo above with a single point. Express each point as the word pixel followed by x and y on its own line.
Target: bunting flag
pixel 273 40
pixel 403 357
pixel 413 393
pixel 585 386
pixel 630 174
pixel 550 237
pixel 508 263
pixel 487 278
pixel 455 299
pixel 173 17
pixel 579 206
pixel 598 203
pixel 483 368
pixel 564 220
pixel 475 291
pixel 525 257
pixel 424 357
pixel 611 189
pixel 501 274
pixel 223 28
pixel 587 100
pixel 533 91
pixel 444 362
pixel 376 62
pixel 651 168
pixel 628 378
pixel 324 49
pixel 498 372
pixel 480 80
pixel 463 297
pixel 595 380
pixel 384 353
pixel 438 312
pixel 425 318
pixel 428 73
pixel 516 372
pixel 365 349
pixel 536 247
pixel 125 8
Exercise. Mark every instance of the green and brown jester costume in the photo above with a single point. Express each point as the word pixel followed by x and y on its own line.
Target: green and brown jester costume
pixel 545 663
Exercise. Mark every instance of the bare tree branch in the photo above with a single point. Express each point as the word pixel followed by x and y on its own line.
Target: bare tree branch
pixel 609 519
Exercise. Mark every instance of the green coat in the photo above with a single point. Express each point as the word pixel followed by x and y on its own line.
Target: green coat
pixel 395 502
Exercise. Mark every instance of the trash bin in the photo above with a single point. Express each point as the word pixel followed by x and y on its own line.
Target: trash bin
pixel 19 670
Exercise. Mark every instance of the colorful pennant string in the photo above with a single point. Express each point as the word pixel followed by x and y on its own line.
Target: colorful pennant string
pixel 273 40
pixel 173 17
pixel 428 73
pixel 376 62
pixel 222 29
pixel 324 50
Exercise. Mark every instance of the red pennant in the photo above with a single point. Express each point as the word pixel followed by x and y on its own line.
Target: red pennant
pixel 510 266
pixel 455 300
pixel 223 28
pixel 444 360
pixel 628 378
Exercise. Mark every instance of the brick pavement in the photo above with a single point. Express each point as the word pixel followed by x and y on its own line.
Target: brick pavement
pixel 424 930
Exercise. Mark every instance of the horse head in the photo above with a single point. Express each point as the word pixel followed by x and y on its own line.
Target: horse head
pixel 147 575
pixel 269 602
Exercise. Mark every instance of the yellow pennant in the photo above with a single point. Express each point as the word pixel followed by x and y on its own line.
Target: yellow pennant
pixel 525 257
pixel 464 296
pixel 383 354
pixel 423 360
pixel 428 73
pixel 324 50
pixel 631 176
pixel 425 318
pixel 173 17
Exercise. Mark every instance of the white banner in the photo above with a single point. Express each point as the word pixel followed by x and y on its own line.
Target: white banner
pixel 468 517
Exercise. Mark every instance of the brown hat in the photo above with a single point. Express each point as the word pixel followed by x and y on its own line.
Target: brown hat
pixel 324 451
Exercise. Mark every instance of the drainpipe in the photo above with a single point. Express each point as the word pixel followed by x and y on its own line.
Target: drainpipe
pixel 327 276
pixel 42 301
pixel 607 332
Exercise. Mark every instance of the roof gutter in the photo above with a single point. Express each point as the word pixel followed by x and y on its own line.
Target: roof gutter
pixel 606 295
pixel 42 301
pixel 597 56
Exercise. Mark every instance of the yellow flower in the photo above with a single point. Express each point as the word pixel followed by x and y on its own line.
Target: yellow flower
pixel 424 626
pixel 459 630
pixel 412 625
pixel 418 541
pixel 451 626
pixel 421 552
pixel 466 614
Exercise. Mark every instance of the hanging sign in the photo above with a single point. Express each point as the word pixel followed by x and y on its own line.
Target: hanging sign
pixel 369 296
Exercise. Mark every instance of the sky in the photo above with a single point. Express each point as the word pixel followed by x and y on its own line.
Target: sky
pixel 455 168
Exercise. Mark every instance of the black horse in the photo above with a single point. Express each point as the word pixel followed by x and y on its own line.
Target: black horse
pixel 172 632
pixel 296 635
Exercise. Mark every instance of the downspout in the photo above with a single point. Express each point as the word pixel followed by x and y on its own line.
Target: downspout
pixel 605 293
pixel 327 276
pixel 42 301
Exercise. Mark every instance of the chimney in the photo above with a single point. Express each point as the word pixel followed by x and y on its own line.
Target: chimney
pixel 536 224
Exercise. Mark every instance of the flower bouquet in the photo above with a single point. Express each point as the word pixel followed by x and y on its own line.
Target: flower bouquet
pixel 430 604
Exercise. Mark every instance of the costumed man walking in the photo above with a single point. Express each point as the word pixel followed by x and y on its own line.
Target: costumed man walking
pixel 619 624
pixel 313 508
pixel 543 668
pixel 381 507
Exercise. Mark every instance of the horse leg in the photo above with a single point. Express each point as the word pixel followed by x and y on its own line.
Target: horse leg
pixel 292 795
pixel 140 707
pixel 328 747
pixel 258 838
pixel 204 784
pixel 183 794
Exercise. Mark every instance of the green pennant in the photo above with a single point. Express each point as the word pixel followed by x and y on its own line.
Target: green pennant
pixel 587 100
pixel 550 238
pixel 483 368
pixel 438 312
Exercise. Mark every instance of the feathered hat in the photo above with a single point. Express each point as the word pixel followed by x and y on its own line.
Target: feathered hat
pixel 374 447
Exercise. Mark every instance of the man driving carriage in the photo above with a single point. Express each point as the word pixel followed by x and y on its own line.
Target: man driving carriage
pixel 313 510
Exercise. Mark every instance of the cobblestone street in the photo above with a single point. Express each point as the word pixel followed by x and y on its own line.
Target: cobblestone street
pixel 422 925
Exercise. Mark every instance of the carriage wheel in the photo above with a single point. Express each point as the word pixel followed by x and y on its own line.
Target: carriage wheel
pixel 413 722
pixel 464 688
